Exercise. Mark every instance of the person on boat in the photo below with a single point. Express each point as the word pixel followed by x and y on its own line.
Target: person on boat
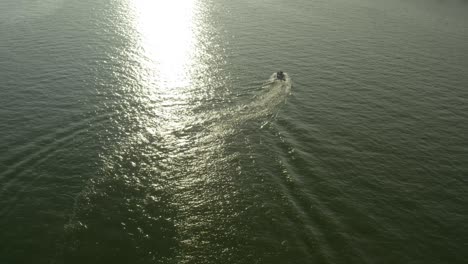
pixel 280 75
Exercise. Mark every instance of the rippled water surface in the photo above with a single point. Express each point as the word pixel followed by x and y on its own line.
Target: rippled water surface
pixel 138 131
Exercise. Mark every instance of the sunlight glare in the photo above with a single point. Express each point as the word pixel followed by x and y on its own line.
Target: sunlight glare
pixel 166 33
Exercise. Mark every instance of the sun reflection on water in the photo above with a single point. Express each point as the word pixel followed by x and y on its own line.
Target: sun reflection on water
pixel 171 160
pixel 166 48
pixel 167 39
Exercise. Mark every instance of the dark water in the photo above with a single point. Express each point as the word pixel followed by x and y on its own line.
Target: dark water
pixel 137 131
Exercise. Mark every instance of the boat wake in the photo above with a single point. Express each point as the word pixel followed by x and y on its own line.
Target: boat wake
pixel 263 107
pixel 150 179
pixel 274 93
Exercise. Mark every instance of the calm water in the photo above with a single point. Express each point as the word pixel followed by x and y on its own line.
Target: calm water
pixel 136 131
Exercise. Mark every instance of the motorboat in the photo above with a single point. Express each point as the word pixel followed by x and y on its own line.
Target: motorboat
pixel 280 76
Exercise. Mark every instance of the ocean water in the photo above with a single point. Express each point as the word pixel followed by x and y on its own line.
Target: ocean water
pixel 138 131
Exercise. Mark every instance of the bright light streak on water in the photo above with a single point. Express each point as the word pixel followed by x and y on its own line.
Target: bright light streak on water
pixel 165 174
pixel 165 30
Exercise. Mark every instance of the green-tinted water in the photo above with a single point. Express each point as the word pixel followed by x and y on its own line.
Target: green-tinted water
pixel 136 131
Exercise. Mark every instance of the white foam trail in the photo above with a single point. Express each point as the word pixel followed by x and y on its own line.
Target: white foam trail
pixel 273 94
pixel 264 105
